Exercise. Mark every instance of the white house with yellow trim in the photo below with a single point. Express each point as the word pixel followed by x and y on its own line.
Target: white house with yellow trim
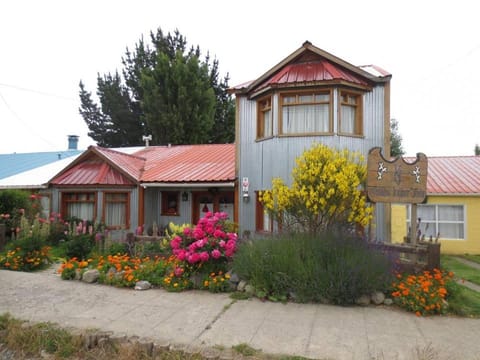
pixel 451 210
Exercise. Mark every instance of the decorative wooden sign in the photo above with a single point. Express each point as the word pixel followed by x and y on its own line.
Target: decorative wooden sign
pixel 396 181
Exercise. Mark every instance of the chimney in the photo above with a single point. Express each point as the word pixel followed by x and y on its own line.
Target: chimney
pixel 72 142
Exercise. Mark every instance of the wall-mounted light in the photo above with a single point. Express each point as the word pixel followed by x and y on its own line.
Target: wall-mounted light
pixel 245 186
pixel 246 197
pixel 184 196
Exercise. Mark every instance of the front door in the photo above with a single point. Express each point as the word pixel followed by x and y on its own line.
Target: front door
pixel 204 201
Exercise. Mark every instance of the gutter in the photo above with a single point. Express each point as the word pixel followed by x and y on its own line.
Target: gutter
pixel 188 185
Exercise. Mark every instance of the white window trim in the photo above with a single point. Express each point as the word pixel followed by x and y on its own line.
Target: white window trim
pixel 437 222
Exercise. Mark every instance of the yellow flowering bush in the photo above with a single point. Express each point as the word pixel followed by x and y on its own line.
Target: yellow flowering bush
pixel 326 192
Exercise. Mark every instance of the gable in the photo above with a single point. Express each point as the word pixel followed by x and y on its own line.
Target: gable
pixel 91 171
pixel 311 69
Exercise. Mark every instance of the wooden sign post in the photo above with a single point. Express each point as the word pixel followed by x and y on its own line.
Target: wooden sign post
pixel 397 181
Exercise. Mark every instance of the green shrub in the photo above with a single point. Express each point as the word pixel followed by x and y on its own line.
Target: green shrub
pixel 313 268
pixel 116 248
pixel 79 246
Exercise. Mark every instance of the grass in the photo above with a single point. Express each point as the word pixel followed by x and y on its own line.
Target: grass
pixel 463 301
pixel 26 340
pixel 474 258
pixel 461 271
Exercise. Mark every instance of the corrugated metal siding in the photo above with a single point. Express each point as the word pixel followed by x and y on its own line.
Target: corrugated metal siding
pixel 153 208
pixel 263 160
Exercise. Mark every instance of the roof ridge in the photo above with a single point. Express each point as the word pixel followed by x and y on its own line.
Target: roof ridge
pixel 119 152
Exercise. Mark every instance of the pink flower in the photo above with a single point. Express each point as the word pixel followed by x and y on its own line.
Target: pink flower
pixel 216 254
pixel 178 271
pixel 175 243
pixel 221 243
pixel 192 247
pixel 230 244
pixel 229 252
pixel 187 231
pixel 193 258
pixel 180 254
pixel 204 256
pixel 219 234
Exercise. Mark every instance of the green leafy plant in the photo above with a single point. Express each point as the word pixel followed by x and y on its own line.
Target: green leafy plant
pixel 315 268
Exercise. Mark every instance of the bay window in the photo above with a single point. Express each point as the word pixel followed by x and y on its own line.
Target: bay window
pixel 350 122
pixel 79 205
pixel 306 113
pixel 116 210
pixel 265 118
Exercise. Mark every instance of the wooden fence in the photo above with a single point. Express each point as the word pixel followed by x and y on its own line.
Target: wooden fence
pixel 412 258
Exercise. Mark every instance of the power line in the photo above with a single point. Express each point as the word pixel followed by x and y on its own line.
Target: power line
pixel 28 127
pixel 44 93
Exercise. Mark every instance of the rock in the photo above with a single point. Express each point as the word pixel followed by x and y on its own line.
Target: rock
pixel 118 275
pixel 363 300
pixel 249 289
pixel 197 280
pixel 241 285
pixel 378 297
pixel 78 274
pixel 142 285
pixel 388 302
pixel 111 271
pixel 91 276
pixel 233 277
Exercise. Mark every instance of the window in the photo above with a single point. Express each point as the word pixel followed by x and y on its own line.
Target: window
pixel 79 205
pixel 116 208
pixel 265 119
pixel 445 220
pixel 170 201
pixel 350 113
pixel 306 113
pixel 263 220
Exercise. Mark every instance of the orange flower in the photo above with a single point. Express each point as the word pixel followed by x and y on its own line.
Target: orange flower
pixel 418 313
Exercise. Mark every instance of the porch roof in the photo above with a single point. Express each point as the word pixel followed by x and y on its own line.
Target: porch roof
pixel 188 163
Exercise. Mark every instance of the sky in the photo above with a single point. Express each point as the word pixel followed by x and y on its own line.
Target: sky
pixel 431 48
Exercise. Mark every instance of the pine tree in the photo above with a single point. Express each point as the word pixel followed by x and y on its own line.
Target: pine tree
pixel 166 91
pixel 396 148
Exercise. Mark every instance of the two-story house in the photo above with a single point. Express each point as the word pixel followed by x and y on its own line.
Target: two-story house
pixel 311 96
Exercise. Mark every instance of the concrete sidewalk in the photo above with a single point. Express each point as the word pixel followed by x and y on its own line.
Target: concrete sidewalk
pixel 198 318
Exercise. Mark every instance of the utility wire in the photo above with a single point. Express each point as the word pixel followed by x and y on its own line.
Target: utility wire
pixel 27 126
pixel 44 93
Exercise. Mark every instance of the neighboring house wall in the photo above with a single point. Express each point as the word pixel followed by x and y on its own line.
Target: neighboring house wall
pixel 469 244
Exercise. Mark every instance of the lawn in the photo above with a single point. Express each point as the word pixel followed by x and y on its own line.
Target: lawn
pixel 460 270
pixel 474 258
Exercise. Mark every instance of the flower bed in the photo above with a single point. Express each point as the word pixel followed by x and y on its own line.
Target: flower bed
pixel 423 294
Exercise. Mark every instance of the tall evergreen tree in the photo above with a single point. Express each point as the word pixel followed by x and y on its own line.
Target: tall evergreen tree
pixel 396 148
pixel 166 91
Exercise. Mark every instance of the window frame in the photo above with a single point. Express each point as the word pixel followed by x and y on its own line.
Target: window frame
pixel 436 221
pixel 260 217
pixel 261 110
pixel 297 93
pixel 165 209
pixel 66 201
pixel 358 122
pixel 127 209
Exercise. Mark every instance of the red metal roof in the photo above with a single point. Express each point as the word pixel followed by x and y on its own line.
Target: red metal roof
pixel 185 163
pixel 92 172
pixel 189 163
pixel 321 70
pixel 453 175
pixel 131 164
